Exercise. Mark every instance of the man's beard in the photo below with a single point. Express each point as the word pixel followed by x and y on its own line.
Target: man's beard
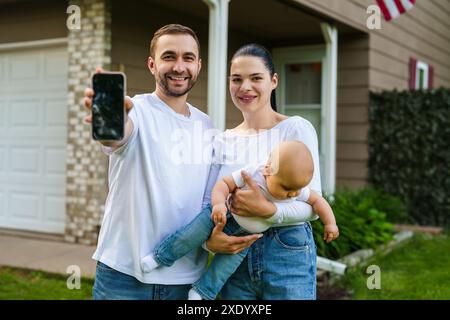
pixel 163 83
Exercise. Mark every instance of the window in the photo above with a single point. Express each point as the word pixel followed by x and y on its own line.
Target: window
pixel 421 75
pixel 307 87
pixel 301 91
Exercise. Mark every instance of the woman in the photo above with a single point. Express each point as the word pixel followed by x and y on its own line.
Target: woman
pixel 281 264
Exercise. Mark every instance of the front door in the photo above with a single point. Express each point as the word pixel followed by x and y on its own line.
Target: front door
pixel 301 90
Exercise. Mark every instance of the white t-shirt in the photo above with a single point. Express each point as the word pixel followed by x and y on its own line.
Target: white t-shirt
pixel 257 224
pixel 156 185
pixel 233 151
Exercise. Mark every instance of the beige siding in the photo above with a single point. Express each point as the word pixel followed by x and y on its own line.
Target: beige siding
pixel 340 10
pixel 417 34
pixel 36 20
pixel 352 106
pixel 422 33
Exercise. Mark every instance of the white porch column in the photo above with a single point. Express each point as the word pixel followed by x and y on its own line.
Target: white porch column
pixel 217 61
pixel 330 34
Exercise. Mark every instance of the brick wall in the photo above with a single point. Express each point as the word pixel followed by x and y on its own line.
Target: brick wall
pixel 87 167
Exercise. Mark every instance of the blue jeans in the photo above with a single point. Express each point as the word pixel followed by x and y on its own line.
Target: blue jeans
pixel 192 236
pixel 114 285
pixel 279 266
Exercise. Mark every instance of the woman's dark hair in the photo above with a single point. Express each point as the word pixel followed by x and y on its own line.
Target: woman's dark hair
pixel 256 50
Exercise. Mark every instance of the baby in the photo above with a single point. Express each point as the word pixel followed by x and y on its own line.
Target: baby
pixel 283 178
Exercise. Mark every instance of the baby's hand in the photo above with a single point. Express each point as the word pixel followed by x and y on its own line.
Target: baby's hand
pixel 330 232
pixel 219 214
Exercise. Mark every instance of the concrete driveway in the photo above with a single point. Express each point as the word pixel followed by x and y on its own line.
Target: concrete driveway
pixel 45 255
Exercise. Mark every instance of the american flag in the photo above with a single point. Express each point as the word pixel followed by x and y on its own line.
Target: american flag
pixel 393 8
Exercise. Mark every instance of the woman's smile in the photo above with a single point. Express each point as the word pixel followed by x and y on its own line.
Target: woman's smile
pixel 246 98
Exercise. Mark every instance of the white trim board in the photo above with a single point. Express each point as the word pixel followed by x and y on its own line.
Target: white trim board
pixel 32 44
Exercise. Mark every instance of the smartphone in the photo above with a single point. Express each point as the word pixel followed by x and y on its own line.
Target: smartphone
pixel 108 110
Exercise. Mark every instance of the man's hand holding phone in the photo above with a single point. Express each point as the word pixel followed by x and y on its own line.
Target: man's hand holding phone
pixel 108 109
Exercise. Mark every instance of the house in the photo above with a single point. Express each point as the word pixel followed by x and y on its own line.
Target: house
pixel 53 179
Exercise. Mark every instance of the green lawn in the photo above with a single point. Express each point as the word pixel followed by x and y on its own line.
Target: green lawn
pixel 417 270
pixel 22 284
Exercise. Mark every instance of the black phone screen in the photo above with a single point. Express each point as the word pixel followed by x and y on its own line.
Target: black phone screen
pixel 108 113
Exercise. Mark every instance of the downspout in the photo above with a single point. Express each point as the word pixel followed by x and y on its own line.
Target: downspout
pixel 217 61
pixel 330 34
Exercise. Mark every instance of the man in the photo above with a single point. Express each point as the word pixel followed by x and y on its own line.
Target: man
pixel 154 189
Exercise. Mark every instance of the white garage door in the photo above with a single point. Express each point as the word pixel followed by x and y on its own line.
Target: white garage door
pixel 33 134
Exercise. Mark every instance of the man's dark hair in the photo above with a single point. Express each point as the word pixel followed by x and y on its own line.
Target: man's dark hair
pixel 172 29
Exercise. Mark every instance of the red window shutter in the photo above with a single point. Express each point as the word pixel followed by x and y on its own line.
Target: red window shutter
pixel 412 73
pixel 430 77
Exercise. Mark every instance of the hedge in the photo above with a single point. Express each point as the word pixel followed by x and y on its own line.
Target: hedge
pixel 409 151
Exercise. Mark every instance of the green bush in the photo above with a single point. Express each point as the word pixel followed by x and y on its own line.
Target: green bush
pixel 409 151
pixel 394 208
pixel 362 220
